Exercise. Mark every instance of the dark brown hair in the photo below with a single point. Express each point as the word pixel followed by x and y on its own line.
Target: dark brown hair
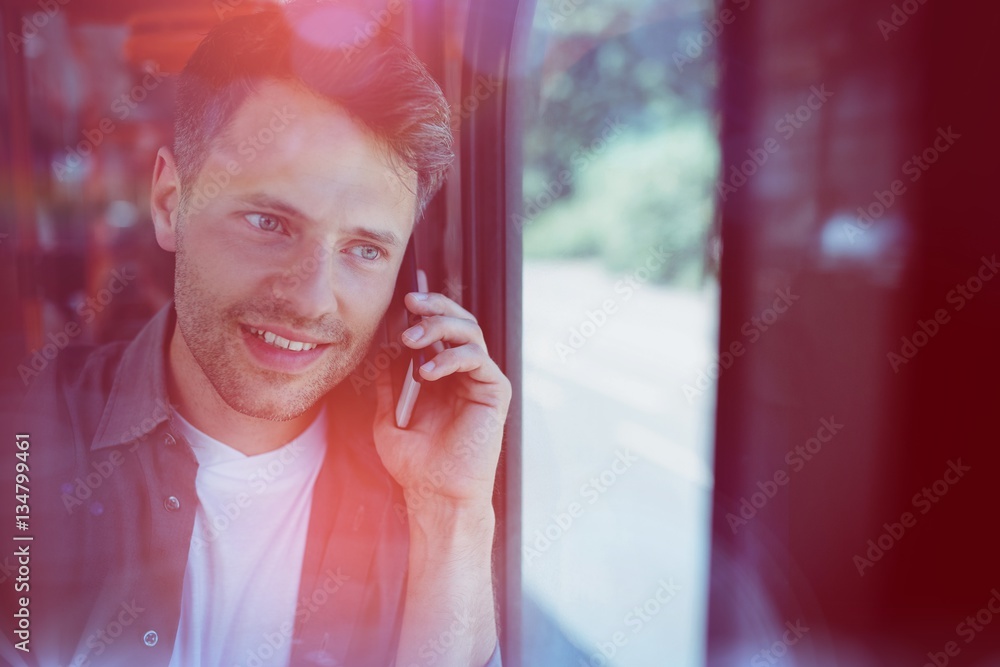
pixel 337 53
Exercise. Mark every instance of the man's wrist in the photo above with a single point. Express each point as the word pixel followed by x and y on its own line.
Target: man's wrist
pixel 450 576
pixel 451 520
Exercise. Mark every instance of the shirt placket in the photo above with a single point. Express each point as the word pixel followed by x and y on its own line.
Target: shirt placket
pixel 140 604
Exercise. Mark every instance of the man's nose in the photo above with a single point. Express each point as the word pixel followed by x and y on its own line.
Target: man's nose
pixel 307 284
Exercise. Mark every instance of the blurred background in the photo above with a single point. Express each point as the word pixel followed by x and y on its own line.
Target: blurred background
pixel 737 258
pixel 621 298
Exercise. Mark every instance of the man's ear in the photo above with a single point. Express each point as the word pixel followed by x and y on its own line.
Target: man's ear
pixel 164 199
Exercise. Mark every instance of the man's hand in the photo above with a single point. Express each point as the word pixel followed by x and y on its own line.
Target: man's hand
pixel 446 464
pixel 447 458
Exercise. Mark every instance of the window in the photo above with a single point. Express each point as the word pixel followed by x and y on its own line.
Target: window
pixel 620 294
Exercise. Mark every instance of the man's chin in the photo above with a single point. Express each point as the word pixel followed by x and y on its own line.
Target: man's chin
pixel 275 404
pixel 273 411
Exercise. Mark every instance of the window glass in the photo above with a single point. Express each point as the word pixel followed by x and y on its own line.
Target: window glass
pixel 620 329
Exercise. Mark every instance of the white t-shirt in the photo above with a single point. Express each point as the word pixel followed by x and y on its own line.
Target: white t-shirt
pixel 242 577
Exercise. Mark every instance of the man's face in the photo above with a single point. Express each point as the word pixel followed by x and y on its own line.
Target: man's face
pixel 284 272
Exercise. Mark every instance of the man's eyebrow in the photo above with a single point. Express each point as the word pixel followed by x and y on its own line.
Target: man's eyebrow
pixel 384 237
pixel 274 204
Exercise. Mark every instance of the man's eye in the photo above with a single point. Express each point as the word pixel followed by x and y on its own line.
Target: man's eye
pixel 368 252
pixel 264 222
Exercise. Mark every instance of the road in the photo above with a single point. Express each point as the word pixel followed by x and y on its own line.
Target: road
pixel 617 468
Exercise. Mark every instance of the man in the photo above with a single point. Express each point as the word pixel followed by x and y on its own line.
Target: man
pixel 216 492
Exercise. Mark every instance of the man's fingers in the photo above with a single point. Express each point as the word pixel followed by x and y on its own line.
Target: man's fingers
pixel 434 303
pixel 469 358
pixel 452 330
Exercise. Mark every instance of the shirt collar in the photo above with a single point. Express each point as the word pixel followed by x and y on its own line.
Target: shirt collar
pixel 138 402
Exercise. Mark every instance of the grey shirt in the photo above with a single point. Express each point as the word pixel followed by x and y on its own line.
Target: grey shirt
pixel 112 512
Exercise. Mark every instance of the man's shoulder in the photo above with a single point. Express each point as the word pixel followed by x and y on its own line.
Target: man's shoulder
pixel 80 369
pixel 73 389
pixel 87 392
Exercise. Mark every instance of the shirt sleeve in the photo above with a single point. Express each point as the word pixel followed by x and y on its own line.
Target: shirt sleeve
pixel 495 658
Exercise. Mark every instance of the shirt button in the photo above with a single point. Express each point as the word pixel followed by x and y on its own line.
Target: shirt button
pixel 169 439
pixel 172 503
pixel 150 638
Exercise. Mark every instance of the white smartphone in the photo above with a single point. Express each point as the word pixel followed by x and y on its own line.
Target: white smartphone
pixel 404 369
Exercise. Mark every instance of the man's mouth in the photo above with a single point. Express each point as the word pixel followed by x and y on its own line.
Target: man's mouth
pixel 280 342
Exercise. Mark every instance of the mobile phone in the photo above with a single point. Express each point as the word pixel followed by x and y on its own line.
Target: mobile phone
pixel 404 368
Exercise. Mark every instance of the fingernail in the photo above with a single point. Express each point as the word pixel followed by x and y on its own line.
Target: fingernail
pixel 414 333
pixel 419 296
pixel 429 366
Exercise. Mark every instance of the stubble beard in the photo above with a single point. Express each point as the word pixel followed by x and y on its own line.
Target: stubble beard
pixel 213 334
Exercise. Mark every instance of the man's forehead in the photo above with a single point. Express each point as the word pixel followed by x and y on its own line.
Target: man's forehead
pixel 290 112
pixel 282 129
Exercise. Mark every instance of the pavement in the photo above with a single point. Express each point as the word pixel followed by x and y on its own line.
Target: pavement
pixel 617 467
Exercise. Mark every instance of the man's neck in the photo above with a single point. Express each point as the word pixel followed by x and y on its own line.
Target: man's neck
pixel 199 403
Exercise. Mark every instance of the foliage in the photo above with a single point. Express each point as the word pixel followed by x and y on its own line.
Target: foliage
pixel 620 149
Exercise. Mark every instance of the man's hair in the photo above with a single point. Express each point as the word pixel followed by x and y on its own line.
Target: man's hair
pixel 377 80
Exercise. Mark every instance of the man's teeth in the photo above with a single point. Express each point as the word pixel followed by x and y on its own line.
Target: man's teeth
pixel 285 344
